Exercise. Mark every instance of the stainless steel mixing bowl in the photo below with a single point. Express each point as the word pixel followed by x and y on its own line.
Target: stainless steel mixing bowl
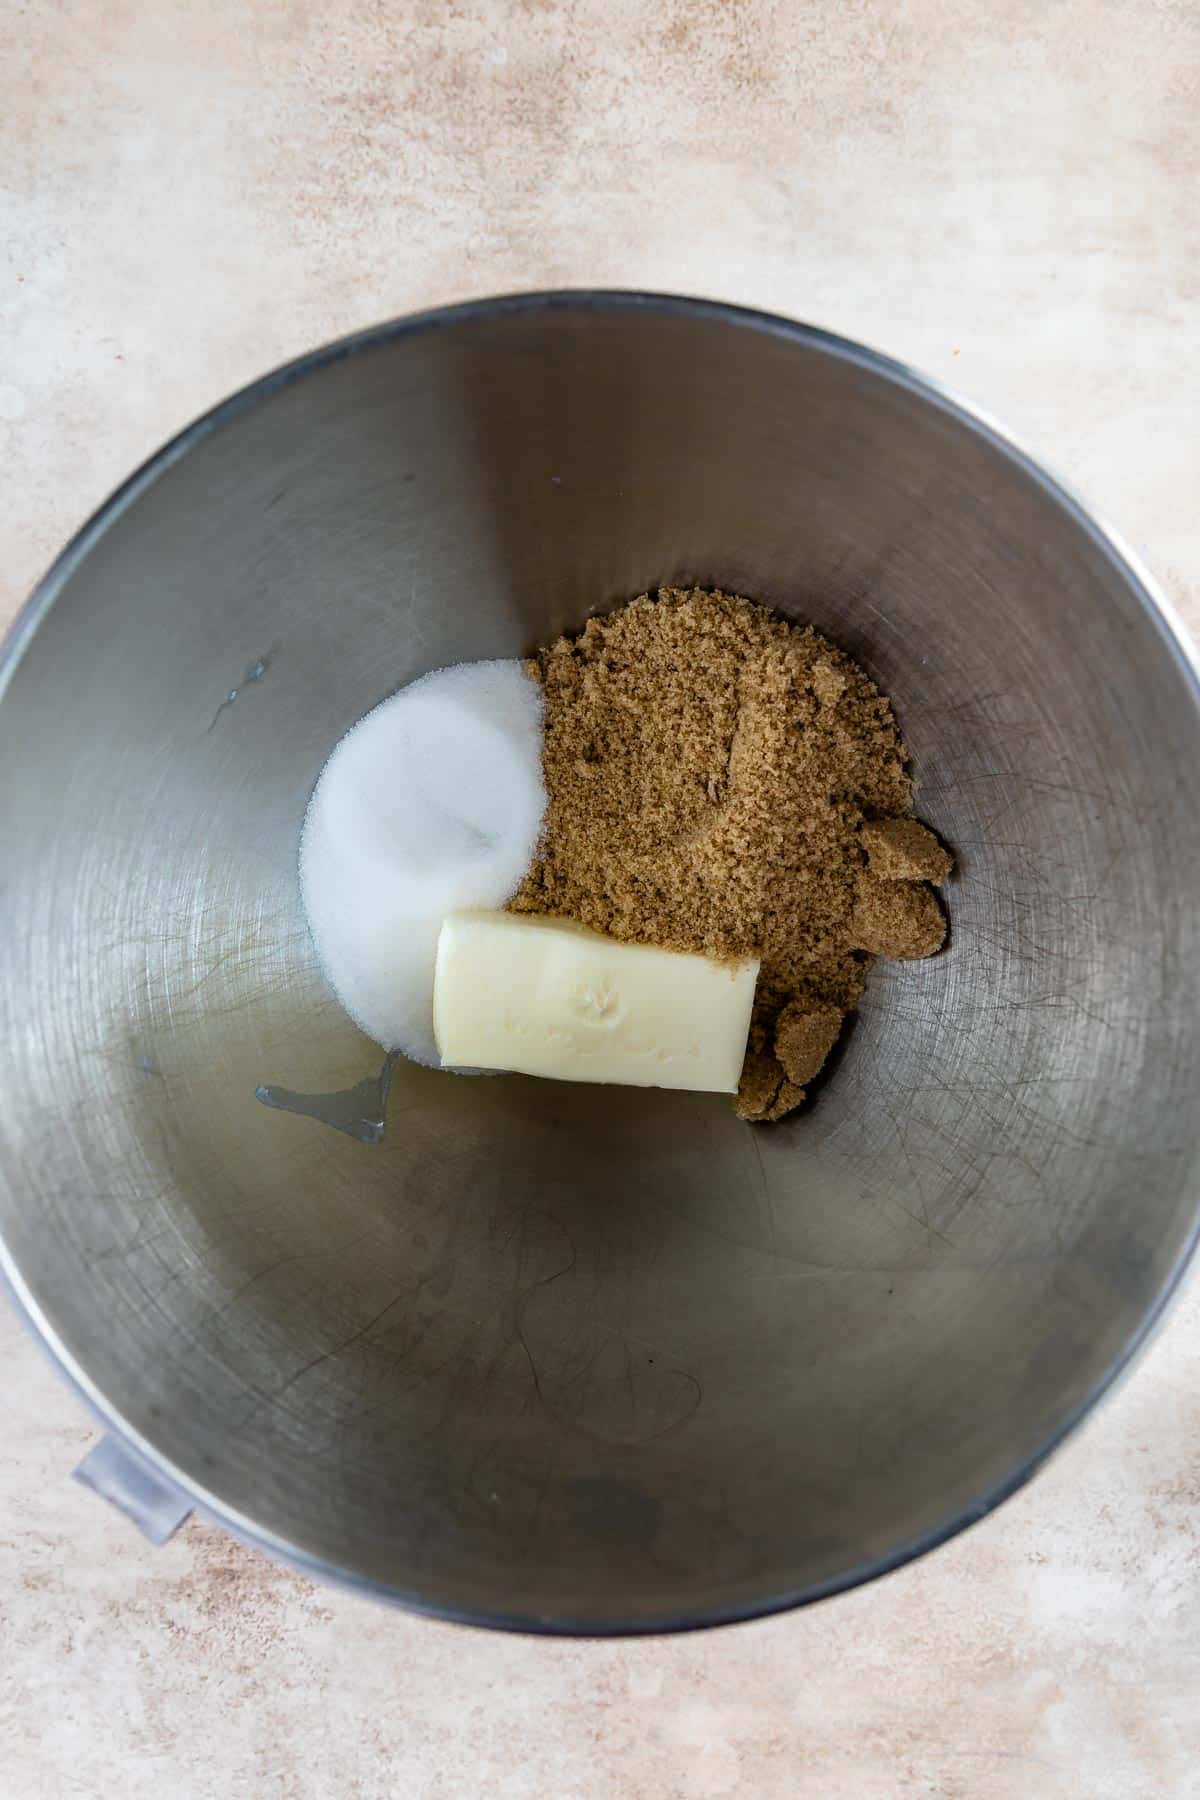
pixel 577 1358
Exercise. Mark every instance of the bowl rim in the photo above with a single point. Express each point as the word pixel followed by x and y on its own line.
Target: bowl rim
pixel 1157 610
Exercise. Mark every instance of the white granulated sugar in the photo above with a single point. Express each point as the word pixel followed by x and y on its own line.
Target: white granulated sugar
pixel 431 803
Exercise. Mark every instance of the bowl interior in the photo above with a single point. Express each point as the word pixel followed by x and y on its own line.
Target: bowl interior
pixel 576 1356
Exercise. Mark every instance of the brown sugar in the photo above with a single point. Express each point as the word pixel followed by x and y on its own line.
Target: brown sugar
pixel 804 1036
pixel 901 919
pixel 710 770
pixel 904 850
pixel 764 1092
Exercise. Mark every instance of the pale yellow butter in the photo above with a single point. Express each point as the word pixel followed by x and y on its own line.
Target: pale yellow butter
pixel 543 996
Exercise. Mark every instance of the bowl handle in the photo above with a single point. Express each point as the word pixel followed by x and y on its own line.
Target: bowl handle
pixel 119 1475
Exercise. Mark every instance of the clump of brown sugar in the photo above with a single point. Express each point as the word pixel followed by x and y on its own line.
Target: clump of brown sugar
pixel 719 780
pixel 904 850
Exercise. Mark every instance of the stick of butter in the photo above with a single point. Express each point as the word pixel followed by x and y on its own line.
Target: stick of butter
pixel 544 996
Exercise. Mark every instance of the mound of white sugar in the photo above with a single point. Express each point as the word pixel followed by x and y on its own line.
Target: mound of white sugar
pixel 431 803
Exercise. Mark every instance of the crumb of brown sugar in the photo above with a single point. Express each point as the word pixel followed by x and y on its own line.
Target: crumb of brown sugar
pixel 904 850
pixel 899 919
pixel 804 1036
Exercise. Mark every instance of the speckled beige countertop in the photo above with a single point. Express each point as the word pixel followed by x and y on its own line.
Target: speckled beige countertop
pixel 1001 192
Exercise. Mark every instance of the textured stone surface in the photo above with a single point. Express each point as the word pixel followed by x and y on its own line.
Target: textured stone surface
pixel 1003 195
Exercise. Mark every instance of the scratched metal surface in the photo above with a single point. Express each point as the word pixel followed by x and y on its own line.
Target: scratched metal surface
pixel 569 1354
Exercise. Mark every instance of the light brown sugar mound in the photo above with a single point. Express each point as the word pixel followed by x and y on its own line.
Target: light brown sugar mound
pixel 719 780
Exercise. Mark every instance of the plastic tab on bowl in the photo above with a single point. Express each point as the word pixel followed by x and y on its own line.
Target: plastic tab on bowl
pixel 115 1472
